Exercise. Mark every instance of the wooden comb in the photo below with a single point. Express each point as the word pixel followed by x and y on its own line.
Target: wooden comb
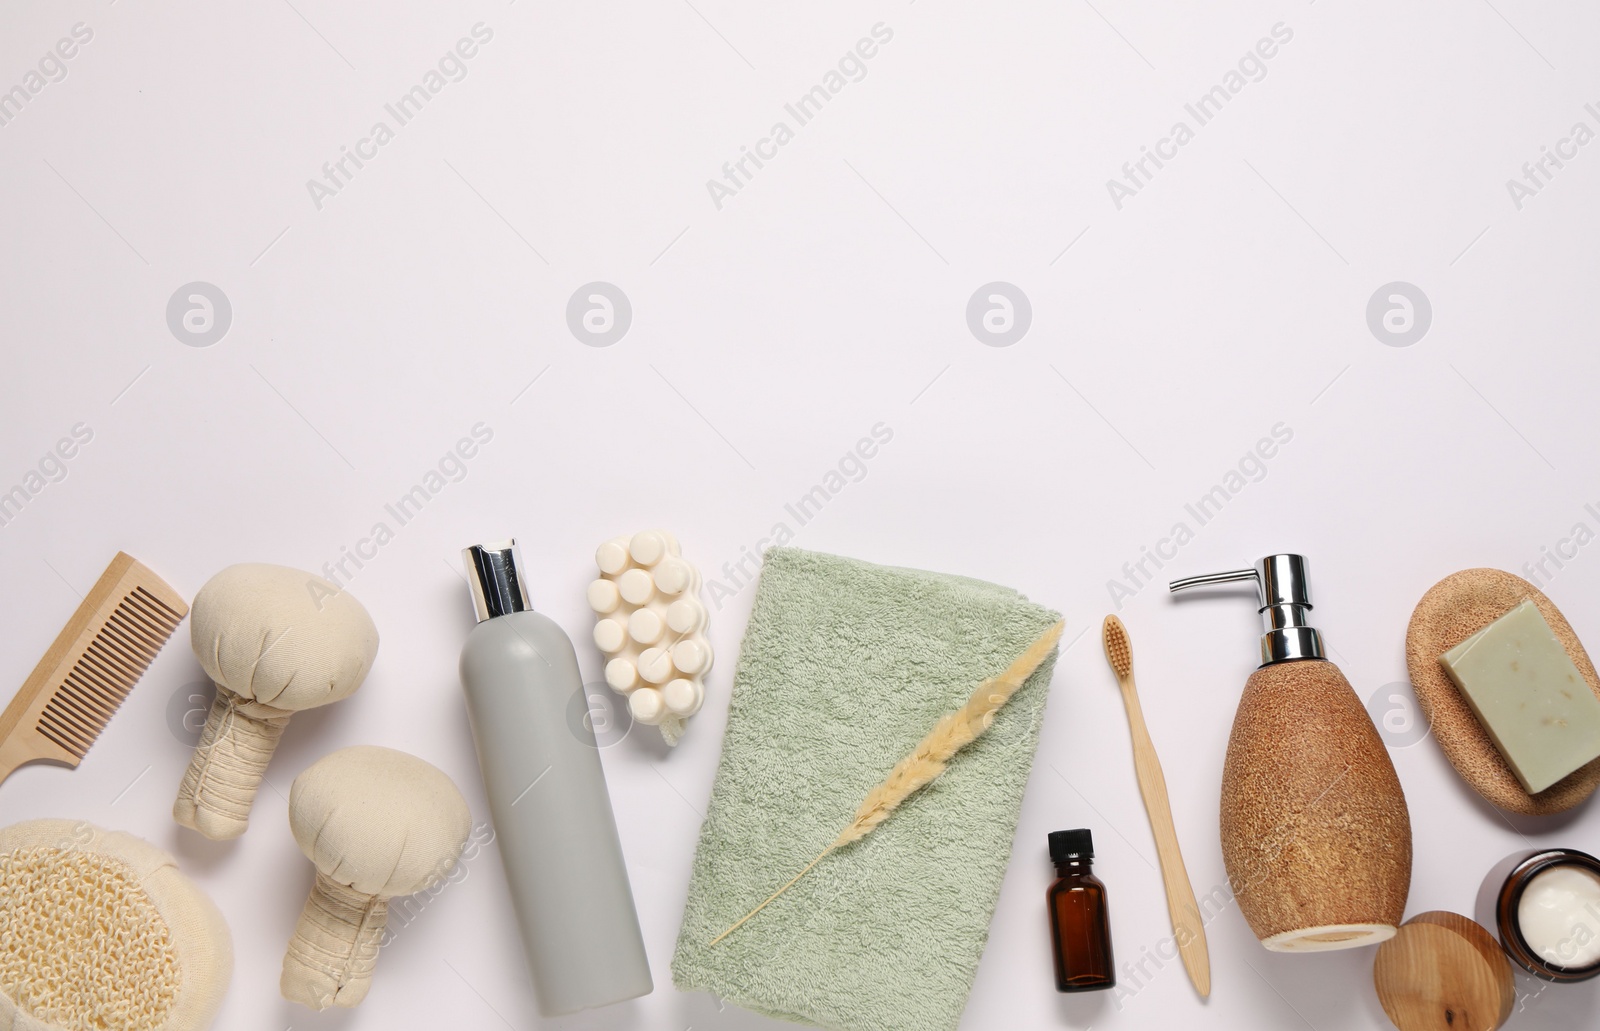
pixel 96 659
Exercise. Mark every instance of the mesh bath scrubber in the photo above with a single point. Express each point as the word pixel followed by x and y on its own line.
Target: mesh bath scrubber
pixel 99 931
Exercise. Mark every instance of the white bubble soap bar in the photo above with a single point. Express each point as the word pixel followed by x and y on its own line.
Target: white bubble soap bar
pixel 651 627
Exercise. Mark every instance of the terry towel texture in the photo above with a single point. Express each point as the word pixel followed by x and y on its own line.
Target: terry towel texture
pixel 845 666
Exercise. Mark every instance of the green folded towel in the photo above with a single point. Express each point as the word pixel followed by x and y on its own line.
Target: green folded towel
pixel 845 666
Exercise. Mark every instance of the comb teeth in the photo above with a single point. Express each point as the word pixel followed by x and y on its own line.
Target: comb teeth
pixel 1118 651
pixel 86 698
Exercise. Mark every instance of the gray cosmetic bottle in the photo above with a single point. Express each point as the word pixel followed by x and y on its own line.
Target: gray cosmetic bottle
pixel 547 795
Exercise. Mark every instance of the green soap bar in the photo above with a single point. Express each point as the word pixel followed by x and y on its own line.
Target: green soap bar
pixel 1529 696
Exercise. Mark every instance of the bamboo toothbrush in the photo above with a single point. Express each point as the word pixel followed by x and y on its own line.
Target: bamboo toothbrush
pixel 1187 926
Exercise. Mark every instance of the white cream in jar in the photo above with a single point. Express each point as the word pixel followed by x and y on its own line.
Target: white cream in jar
pixel 1558 916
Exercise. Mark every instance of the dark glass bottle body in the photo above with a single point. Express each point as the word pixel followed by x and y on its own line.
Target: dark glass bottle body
pixel 1080 930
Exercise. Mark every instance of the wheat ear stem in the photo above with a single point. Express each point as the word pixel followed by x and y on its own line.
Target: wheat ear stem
pixel 820 857
pixel 928 760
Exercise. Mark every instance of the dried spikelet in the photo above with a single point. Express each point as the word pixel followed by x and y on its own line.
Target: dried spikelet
pixel 928 760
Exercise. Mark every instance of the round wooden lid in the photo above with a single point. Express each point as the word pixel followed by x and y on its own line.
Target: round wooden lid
pixel 1442 972
pixel 1453 610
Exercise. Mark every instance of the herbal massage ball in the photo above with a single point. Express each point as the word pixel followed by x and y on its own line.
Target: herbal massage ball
pixel 276 641
pixel 99 931
pixel 377 823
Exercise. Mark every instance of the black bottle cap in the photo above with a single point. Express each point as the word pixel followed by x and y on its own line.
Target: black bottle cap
pixel 1074 844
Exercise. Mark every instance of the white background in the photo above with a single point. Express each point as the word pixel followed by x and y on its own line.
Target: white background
pixel 827 296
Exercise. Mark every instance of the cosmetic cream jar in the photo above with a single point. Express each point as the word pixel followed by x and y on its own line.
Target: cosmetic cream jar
pixel 1548 914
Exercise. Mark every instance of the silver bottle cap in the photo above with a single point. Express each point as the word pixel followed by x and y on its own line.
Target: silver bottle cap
pixel 1284 593
pixel 492 573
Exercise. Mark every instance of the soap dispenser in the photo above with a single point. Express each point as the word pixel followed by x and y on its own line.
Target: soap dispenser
pixel 1315 831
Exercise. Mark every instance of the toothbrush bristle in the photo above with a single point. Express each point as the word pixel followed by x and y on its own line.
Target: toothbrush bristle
pixel 1119 652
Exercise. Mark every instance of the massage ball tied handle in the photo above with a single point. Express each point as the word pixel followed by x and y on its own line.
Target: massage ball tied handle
pixel 1315 832
pixel 377 823
pixel 276 641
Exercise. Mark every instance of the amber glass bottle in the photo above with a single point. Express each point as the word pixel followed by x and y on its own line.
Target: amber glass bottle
pixel 1080 931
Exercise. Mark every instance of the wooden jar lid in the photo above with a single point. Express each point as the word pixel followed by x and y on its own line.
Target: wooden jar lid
pixel 1453 610
pixel 1442 972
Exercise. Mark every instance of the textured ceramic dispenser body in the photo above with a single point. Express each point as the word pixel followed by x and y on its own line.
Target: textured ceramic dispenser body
pixel 552 814
pixel 1315 831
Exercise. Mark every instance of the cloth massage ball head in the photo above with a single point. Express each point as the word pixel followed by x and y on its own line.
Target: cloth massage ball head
pixel 377 823
pixel 276 641
pixel 99 931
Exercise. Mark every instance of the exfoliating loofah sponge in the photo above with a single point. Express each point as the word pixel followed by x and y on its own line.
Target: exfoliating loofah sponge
pixel 99 931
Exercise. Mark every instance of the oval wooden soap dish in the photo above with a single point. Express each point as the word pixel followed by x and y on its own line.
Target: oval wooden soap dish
pixel 1453 610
